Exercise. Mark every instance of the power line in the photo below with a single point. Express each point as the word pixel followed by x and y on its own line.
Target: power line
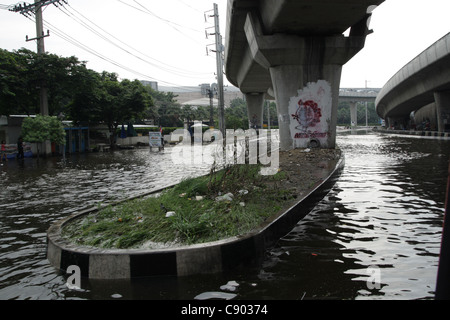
pixel 163 19
pixel 27 8
pixel 159 64
pixel 88 49
pixel 70 12
pixel 6 6
pixel 172 24
pixel 187 5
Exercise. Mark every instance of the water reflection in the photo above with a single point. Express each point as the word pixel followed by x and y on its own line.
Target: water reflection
pixel 385 211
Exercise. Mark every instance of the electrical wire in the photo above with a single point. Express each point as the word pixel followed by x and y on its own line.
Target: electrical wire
pixel 6 6
pixel 174 25
pixel 157 64
pixel 93 52
pixel 61 34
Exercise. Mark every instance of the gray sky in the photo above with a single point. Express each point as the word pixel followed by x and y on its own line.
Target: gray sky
pixel 165 41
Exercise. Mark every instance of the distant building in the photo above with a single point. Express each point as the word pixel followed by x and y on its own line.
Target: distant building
pixel 152 84
pixel 11 127
pixel 191 93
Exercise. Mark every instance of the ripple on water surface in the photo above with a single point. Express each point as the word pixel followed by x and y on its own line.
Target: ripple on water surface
pixel 385 211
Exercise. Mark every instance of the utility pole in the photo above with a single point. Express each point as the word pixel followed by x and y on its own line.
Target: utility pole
pixel 219 58
pixel 41 50
pixel 219 51
pixel 36 9
pixel 211 92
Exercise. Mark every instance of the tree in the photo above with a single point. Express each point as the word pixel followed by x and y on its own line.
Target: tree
pixel 168 110
pixel 272 106
pixel 236 116
pixel 16 91
pixel 84 106
pixel 23 71
pixel 120 102
pixel 43 128
pixel 344 114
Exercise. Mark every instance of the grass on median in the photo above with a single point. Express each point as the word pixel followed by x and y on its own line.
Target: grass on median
pixel 199 217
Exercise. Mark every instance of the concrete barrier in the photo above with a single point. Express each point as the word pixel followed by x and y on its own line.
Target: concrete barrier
pixel 244 251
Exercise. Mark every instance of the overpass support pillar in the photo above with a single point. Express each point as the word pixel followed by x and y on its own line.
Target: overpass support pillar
pixel 255 108
pixel 306 106
pixel 306 74
pixel 398 123
pixel 354 113
pixel 442 99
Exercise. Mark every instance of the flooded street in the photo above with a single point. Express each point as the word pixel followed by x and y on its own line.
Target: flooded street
pixel 384 217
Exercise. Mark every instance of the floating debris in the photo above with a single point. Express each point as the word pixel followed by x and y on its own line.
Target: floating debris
pixel 216 296
pixel 230 286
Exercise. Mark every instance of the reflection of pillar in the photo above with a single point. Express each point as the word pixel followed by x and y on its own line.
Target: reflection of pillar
pixel 354 113
pixel 442 99
pixel 255 107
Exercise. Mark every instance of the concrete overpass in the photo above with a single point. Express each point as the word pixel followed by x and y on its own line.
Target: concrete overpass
pixel 353 96
pixel 422 86
pixel 293 51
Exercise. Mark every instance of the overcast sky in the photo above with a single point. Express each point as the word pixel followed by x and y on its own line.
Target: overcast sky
pixel 165 41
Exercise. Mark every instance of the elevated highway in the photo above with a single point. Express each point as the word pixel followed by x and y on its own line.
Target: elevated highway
pixel 353 96
pixel 422 86
pixel 293 51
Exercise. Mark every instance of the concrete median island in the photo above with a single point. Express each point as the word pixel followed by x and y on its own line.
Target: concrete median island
pixel 215 223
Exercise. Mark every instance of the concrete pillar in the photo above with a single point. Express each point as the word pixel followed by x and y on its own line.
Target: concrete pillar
pixel 397 123
pixel 307 107
pixel 354 114
pixel 255 108
pixel 426 116
pixel 306 73
pixel 442 99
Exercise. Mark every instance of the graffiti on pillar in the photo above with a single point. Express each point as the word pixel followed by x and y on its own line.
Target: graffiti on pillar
pixel 307 115
pixel 310 114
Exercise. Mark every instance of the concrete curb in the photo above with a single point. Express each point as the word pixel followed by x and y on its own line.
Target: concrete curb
pixel 435 134
pixel 221 256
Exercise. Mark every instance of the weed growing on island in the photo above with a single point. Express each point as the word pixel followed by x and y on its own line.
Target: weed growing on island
pixel 226 203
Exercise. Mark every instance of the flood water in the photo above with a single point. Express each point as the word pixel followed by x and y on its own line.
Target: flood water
pixel 383 218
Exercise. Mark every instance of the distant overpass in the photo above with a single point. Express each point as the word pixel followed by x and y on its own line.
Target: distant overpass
pixel 422 86
pixel 294 51
pixel 353 96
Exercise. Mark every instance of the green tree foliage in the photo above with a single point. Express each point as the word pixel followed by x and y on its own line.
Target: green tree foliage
pixel 23 72
pixel 43 128
pixel 80 94
pixel 15 87
pixel 168 112
pixel 236 116
pixel 344 116
pixel 270 108
pixel 119 102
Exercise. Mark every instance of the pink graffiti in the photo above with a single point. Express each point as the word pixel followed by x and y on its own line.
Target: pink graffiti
pixel 307 115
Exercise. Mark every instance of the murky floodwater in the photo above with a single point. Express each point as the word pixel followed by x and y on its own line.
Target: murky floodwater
pixel 383 218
